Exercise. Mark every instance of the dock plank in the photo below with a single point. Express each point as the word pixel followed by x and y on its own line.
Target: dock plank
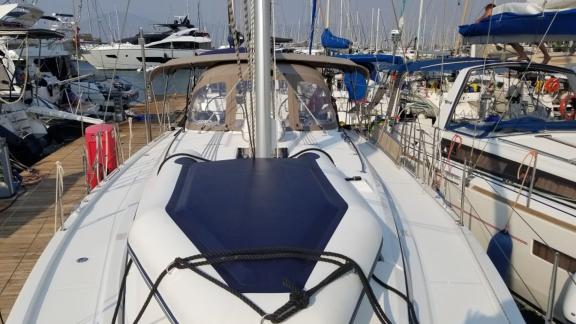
pixel 28 225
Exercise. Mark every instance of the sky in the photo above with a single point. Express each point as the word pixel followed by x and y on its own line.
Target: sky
pixel 440 19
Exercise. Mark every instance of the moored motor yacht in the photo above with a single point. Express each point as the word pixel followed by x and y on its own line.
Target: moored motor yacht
pixel 181 42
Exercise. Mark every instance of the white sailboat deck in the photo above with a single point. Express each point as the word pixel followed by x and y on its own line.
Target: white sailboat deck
pixel 426 219
pixel 86 270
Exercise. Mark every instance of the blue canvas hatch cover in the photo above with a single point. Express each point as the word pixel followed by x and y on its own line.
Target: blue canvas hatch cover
pixel 252 204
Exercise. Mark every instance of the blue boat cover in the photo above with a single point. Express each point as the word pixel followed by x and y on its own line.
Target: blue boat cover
pixel 241 204
pixel 447 64
pixel 508 27
pixel 493 126
pixel 334 42
pixel 356 85
pixel 373 58
pixel 374 63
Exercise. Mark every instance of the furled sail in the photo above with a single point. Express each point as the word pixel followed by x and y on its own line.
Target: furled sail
pixel 531 21
pixel 331 41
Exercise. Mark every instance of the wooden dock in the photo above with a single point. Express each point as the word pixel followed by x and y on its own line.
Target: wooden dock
pixel 27 225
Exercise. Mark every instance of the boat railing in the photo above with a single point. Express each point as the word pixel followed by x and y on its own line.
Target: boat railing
pixel 419 151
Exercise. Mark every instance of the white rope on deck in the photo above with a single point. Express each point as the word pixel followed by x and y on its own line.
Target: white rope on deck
pixel 59 192
pixel 130 136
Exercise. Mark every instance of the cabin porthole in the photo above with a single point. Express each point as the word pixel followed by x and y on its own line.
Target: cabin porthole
pixel 82 260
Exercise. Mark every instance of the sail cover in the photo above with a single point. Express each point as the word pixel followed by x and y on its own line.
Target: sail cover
pixel 334 42
pixel 524 22
pixel 375 63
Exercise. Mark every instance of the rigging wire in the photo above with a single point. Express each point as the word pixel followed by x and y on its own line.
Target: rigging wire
pixel 114 71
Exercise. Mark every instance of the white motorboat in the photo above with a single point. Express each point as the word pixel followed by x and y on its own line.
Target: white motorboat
pixel 182 42
pixel 502 151
pixel 38 56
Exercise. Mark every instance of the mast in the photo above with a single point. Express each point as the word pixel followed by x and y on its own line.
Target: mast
pixel 299 32
pixel 357 29
pixel 263 80
pixel 327 20
pixel 419 33
pixel 312 25
pixel 462 21
pixel 348 32
pixel 341 11
pixel 372 30
pixel 377 45
pixel 117 23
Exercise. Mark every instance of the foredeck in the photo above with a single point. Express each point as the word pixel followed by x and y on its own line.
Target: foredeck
pixel 27 226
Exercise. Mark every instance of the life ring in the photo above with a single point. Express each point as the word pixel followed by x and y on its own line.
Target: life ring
pixel 552 85
pixel 567 115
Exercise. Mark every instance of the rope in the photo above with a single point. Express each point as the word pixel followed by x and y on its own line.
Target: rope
pixel 452 145
pixel 531 165
pixel 13 201
pixel 299 299
pixel 235 38
pixel 119 148
pixel 130 136
pixel 251 67
pixel 58 209
pixel 122 292
pixel 411 311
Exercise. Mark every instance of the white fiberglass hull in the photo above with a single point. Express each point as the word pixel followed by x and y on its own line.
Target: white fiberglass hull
pixel 491 203
pixel 129 57
pixel 92 288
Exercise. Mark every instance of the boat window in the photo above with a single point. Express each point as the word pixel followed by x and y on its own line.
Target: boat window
pixel 161 45
pixel 206 45
pixel 501 101
pixel 185 45
pixel 281 102
pixel 281 95
pixel 314 104
pixel 208 105
pixel 545 252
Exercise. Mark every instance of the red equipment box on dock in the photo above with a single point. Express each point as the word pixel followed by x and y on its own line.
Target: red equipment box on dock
pixel 100 153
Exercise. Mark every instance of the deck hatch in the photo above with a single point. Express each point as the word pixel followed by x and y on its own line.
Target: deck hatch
pixel 247 204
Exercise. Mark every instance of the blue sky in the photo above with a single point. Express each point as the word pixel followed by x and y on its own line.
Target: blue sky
pixel 440 19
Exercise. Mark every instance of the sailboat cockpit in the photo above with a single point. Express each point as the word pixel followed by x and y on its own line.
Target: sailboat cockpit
pixel 221 100
pixel 497 100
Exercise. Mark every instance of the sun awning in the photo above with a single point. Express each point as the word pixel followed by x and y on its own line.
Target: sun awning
pixel 522 23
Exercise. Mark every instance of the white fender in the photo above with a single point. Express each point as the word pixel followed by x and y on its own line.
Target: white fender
pixel 569 305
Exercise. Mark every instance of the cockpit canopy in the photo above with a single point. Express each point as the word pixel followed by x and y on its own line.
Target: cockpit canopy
pixel 222 101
